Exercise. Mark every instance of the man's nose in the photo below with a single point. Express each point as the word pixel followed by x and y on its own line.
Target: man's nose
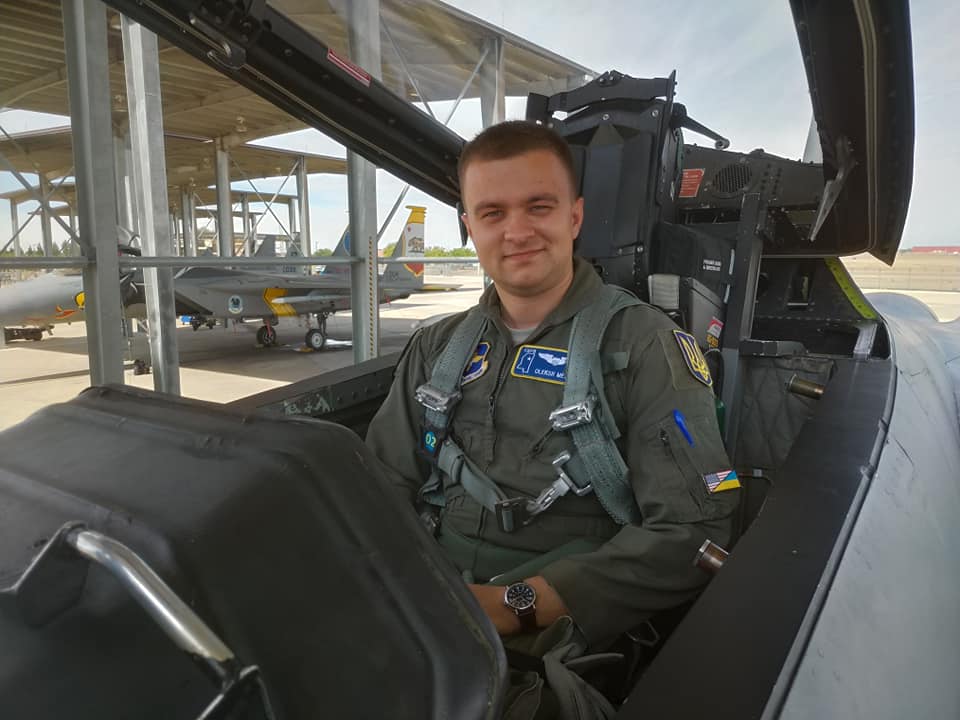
pixel 518 227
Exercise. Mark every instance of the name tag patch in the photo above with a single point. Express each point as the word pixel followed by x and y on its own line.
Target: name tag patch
pixel 696 363
pixel 478 364
pixel 536 362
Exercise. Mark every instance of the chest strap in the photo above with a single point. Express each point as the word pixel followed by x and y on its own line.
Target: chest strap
pixel 597 465
pixel 441 394
pixel 586 413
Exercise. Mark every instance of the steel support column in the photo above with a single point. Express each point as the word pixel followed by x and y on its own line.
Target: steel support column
pixel 14 224
pixel 88 85
pixel 224 206
pixel 46 229
pixel 189 215
pixel 364 22
pixel 293 212
pixel 175 233
pixel 247 225
pixel 493 84
pixel 122 162
pixel 303 203
pixel 142 66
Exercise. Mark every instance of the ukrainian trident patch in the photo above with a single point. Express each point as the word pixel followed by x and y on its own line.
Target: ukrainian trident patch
pixel 696 363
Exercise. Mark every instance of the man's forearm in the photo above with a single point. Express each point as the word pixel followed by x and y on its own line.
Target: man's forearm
pixel 550 605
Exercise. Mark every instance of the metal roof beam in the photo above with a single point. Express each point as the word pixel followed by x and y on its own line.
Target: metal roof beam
pixel 234 139
pixel 41 82
pixel 218 98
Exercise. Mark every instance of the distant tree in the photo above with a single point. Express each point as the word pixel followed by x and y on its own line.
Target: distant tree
pixel 322 252
pixel 464 252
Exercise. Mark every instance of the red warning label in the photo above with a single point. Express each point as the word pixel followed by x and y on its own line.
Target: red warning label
pixel 690 184
pixel 354 71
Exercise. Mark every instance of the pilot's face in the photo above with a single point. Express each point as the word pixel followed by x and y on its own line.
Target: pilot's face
pixel 523 217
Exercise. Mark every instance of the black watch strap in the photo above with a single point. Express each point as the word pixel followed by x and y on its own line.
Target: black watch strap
pixel 528 619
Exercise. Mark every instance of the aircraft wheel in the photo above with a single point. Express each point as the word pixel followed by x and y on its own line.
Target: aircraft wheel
pixel 211 323
pixel 315 339
pixel 195 323
pixel 267 336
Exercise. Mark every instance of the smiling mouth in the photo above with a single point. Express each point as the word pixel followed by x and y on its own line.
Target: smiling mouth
pixel 523 255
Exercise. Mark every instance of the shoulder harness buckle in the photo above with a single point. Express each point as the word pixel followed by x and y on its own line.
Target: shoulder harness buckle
pixel 437 400
pixel 567 417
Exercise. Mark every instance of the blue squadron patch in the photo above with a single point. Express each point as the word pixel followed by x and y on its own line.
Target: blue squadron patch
pixel 478 364
pixel 696 363
pixel 536 362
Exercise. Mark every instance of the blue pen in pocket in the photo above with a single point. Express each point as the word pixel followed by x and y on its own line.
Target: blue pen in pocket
pixel 682 424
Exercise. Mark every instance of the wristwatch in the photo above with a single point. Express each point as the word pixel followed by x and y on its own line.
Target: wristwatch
pixel 522 599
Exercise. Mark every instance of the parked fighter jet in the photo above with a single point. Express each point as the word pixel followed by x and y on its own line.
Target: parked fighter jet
pixel 29 308
pixel 32 307
pixel 238 294
pixel 293 575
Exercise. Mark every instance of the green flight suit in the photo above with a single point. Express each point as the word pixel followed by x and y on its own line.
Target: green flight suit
pixel 623 574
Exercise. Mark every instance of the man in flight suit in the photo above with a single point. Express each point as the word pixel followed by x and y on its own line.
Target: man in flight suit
pixel 523 214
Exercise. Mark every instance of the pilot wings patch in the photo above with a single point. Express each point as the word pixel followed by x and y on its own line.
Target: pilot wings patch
pixel 545 364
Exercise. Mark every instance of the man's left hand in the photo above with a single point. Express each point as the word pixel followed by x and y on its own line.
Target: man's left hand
pixel 550 605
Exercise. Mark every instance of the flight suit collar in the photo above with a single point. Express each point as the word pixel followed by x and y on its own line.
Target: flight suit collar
pixel 581 292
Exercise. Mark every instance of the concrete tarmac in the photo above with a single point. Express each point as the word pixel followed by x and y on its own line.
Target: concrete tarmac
pixel 218 364
pixel 224 364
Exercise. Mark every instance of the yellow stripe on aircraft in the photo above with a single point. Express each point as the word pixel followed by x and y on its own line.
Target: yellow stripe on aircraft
pixel 851 291
pixel 280 309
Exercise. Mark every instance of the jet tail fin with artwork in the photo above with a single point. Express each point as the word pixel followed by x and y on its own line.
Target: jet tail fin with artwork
pixel 410 244
pixel 341 250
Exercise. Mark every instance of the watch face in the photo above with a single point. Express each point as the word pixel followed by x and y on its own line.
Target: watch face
pixel 520 596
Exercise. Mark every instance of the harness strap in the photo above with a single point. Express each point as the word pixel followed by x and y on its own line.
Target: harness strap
pixel 597 465
pixel 441 394
pixel 597 461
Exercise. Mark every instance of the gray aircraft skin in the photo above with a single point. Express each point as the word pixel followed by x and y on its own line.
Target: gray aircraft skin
pixel 238 294
pixel 838 599
pixel 205 294
pixel 41 303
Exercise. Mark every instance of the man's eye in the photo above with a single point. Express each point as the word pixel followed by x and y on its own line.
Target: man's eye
pixel 540 208
pixel 491 214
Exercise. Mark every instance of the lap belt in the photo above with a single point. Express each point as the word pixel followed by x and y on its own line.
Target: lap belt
pixel 596 466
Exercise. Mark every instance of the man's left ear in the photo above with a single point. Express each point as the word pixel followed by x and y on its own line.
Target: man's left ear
pixel 465 233
pixel 576 216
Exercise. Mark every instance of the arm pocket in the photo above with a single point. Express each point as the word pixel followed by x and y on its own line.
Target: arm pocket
pixel 697 463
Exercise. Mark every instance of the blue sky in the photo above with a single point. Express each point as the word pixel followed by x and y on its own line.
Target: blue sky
pixel 739 72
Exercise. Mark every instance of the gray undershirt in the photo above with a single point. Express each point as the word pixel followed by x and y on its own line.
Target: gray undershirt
pixel 519 335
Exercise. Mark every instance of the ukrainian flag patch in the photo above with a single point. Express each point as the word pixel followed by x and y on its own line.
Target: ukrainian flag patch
pixel 720 481
pixel 536 362
pixel 696 363
pixel 478 364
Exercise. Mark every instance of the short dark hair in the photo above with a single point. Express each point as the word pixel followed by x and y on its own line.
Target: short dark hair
pixel 516 137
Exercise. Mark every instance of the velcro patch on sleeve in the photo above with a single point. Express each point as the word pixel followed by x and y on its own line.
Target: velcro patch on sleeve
pixel 694 359
pixel 478 363
pixel 545 364
pixel 722 480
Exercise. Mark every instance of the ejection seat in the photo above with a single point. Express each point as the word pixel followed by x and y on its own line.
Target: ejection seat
pixel 142 535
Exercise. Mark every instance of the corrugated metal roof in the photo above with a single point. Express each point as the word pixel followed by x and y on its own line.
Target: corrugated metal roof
pixel 439 44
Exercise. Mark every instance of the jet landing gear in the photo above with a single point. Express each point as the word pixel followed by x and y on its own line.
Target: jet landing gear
pixel 196 322
pixel 316 338
pixel 267 335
